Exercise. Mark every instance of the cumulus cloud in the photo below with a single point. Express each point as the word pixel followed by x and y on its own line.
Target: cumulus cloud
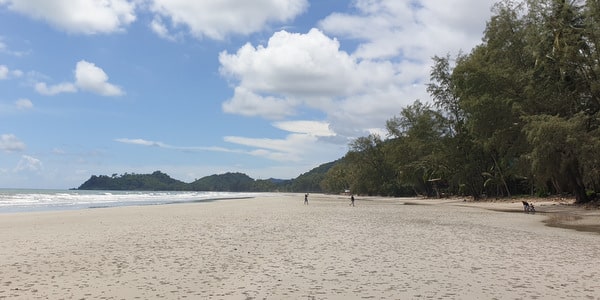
pixel 29 163
pixel 413 30
pixel 6 73
pixel 216 19
pixel 24 103
pixel 295 71
pixel 88 77
pixel 81 16
pixel 248 103
pixel 3 72
pixel 292 64
pixel 91 78
pixel 10 143
pixel 291 70
pixel 65 87
pixel 378 62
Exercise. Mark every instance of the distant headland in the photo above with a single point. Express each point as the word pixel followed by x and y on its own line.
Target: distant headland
pixel 228 182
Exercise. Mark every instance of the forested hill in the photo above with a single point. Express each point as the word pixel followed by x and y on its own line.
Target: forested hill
pixel 228 182
pixel 156 181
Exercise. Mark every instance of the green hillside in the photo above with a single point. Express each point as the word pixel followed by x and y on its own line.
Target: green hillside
pixel 228 182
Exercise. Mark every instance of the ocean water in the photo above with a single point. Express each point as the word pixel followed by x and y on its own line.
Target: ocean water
pixel 21 200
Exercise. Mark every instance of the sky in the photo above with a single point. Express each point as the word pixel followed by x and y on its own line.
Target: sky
pixel 269 88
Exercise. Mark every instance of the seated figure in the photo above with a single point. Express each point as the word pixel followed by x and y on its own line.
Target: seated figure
pixel 525 206
pixel 528 207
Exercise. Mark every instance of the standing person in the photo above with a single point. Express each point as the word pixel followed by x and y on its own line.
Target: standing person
pixel 351 200
pixel 306 199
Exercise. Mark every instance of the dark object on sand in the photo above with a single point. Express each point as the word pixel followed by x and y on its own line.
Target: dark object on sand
pixel 528 207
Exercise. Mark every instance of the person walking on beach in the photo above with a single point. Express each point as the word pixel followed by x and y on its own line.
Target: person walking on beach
pixel 306 199
pixel 351 200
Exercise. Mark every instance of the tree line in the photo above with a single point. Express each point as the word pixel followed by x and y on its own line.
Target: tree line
pixel 519 114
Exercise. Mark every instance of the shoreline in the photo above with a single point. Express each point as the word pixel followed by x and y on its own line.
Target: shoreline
pixel 15 201
pixel 278 248
pixel 559 212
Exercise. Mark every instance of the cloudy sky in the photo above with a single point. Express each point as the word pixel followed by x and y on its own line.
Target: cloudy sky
pixel 270 88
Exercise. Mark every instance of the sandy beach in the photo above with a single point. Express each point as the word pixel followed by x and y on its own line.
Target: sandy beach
pixel 278 248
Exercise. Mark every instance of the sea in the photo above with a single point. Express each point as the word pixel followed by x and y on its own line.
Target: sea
pixel 26 200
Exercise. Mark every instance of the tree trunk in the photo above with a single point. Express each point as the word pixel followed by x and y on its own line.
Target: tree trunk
pixel 577 183
pixel 502 177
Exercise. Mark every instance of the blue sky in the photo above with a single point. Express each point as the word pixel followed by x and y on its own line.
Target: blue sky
pixel 270 88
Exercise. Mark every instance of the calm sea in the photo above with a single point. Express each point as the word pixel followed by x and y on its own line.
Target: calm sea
pixel 21 200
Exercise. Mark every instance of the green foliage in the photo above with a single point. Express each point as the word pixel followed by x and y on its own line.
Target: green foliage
pixel 556 154
pixel 337 179
pixel 311 181
pixel 518 114
pixel 156 181
pixel 370 171
pixel 229 182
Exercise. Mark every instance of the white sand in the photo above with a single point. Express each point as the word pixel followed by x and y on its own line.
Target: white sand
pixel 278 248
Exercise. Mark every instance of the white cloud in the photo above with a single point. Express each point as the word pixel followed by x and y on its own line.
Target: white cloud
pixel 312 128
pixel 3 72
pixel 29 163
pixel 65 87
pixel 24 103
pixel 4 48
pixel 81 16
pixel 309 70
pixel 159 27
pixel 147 143
pixel 6 73
pixel 216 19
pixel 88 77
pixel 298 146
pixel 414 30
pixel 292 64
pixel 91 78
pixel 59 151
pixel 357 90
pixel 10 143
pixel 291 70
pixel 248 103
pixel 293 148
pixel 17 73
pixel 140 142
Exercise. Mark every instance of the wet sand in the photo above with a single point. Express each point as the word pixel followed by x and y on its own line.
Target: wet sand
pixel 278 248
pixel 558 212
